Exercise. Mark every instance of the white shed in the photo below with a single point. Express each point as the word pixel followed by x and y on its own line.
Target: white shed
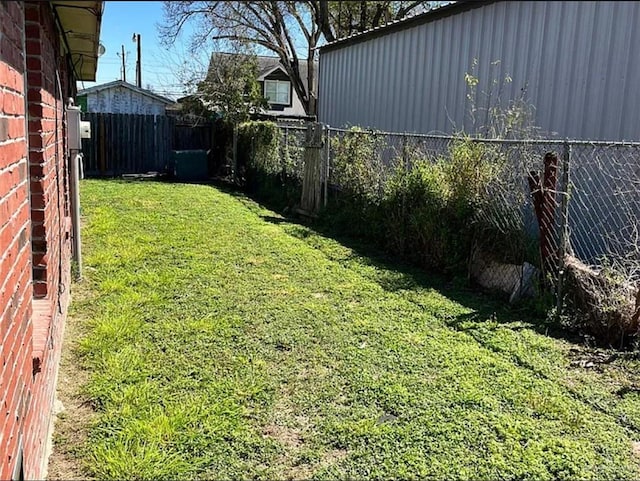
pixel 120 97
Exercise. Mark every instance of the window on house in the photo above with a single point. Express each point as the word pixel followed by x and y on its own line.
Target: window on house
pixel 277 91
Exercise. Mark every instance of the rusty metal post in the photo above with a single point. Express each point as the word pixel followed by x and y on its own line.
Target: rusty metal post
pixel 549 205
pixel 564 226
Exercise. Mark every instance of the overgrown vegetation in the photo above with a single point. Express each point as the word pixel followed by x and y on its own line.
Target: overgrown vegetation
pixel 225 342
pixel 427 209
pixel 267 165
pixel 465 211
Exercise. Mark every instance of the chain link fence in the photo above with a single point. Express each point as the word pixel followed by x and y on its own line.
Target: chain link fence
pixel 525 217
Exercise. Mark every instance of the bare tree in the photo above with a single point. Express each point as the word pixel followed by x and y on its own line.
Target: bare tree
pixel 292 30
pixel 274 26
pixel 339 19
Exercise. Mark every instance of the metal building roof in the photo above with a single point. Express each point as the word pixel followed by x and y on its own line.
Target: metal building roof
pixel 436 13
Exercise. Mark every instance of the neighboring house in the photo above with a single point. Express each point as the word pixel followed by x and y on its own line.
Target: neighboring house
pixel 575 62
pixel 46 48
pixel 276 87
pixel 119 97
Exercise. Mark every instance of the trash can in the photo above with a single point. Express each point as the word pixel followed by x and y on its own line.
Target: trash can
pixel 189 165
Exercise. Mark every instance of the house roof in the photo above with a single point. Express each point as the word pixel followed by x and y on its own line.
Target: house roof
pixel 437 13
pixel 79 22
pixel 266 65
pixel 121 83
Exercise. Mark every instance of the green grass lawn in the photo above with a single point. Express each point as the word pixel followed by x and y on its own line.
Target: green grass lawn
pixel 224 342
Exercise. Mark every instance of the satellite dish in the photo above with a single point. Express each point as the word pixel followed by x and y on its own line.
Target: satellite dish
pixel 101 50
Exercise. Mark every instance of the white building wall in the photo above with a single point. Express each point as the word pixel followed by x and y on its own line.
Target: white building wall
pixel 120 100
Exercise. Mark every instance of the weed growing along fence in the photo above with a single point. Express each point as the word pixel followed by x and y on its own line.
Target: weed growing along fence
pixel 557 220
pixel 270 161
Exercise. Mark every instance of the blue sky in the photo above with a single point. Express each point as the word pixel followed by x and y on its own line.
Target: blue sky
pixel 161 67
pixel 159 64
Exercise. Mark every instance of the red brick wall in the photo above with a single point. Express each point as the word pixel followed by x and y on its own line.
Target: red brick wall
pixel 15 234
pixel 34 231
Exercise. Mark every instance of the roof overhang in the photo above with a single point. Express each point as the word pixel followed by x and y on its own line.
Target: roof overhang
pixel 262 76
pixel 126 85
pixel 80 23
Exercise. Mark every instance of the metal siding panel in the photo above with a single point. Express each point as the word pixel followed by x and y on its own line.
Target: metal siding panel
pixel 463 64
pixel 614 76
pixel 592 50
pixel 377 99
pixel 324 87
pixel 423 88
pixel 394 77
pixel 546 72
pixel 605 73
pixel 413 87
pixel 452 45
pixel 370 53
pixel 332 94
pixel 575 62
pixel 436 75
pixel 340 86
pixel 571 85
pixel 398 81
pixel 630 117
pixel 356 76
pixel 329 92
pixel 344 81
pixel 384 85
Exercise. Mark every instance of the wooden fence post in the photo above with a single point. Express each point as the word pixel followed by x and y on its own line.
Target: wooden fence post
pixel 312 179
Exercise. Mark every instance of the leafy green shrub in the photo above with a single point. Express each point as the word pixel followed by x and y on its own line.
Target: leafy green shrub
pixel 260 142
pixel 469 168
pixel 357 173
pixel 428 213
pixel 356 164
pixel 417 203
pixel 266 168
pixel 431 207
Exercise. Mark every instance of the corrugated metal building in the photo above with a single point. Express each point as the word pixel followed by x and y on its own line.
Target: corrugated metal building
pixel 577 63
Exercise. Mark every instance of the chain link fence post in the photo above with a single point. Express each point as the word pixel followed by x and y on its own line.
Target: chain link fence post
pixel 564 225
pixel 327 146
pixel 405 168
pixel 235 154
pixel 284 162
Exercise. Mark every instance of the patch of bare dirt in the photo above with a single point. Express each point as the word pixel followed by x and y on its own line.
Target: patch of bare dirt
pixel 73 413
pixel 289 429
pixel 288 437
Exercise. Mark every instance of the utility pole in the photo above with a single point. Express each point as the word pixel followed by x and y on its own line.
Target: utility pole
pixel 136 38
pixel 124 68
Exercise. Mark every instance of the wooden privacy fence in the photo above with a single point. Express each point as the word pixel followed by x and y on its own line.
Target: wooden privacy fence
pixel 132 144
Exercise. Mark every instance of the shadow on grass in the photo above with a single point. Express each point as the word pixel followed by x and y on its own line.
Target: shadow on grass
pixel 395 275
